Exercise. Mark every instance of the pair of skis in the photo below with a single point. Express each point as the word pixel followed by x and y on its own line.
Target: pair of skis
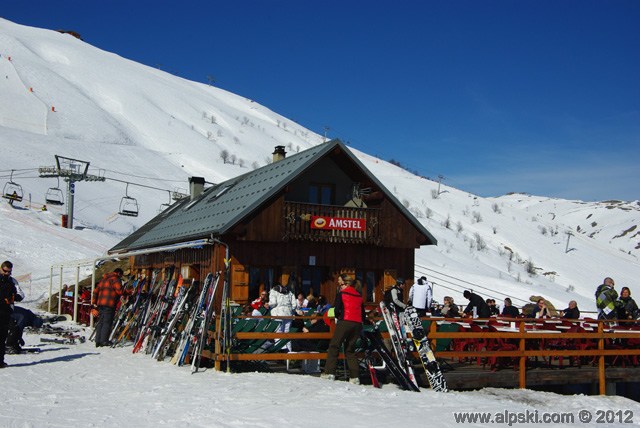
pixel 398 326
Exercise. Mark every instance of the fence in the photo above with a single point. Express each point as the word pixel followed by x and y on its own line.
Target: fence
pixel 517 340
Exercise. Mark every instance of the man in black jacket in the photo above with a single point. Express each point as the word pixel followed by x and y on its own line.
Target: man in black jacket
pixel 477 302
pixel 8 295
pixel 509 310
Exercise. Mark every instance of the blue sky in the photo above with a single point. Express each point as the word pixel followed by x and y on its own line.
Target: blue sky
pixel 540 97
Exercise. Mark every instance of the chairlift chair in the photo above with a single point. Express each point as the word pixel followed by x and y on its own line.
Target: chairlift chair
pixel 163 207
pixel 12 190
pixel 128 205
pixel 54 195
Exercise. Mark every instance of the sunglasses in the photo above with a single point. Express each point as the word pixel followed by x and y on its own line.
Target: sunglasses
pixel 6 271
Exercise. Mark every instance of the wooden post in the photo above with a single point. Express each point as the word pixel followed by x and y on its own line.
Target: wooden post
pixel 601 372
pixel 216 364
pixel 522 375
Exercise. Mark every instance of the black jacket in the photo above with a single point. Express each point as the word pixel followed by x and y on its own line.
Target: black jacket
pixel 571 314
pixel 7 293
pixel 478 302
pixel 510 311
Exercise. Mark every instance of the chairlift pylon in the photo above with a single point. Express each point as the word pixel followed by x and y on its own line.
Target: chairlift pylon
pixel 54 195
pixel 12 190
pixel 128 205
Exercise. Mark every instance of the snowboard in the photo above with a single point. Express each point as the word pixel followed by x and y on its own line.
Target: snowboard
pixel 427 357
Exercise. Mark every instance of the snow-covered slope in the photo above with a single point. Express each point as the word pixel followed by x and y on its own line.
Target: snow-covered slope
pixel 140 125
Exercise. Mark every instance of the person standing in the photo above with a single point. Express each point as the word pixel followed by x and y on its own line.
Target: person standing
pixel 8 294
pixel 420 296
pixel 607 300
pixel 394 298
pixel 349 313
pixel 105 298
pixel 476 303
pixel 282 303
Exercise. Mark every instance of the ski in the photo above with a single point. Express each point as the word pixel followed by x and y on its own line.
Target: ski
pixel 175 315
pixel 65 341
pixel 398 342
pixel 30 349
pixel 368 359
pixel 189 331
pixel 203 328
pixel 375 344
pixel 427 357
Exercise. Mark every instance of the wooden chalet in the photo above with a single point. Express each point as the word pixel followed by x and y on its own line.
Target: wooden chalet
pixel 301 220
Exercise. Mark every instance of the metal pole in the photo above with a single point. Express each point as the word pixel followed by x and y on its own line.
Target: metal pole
pixel 75 295
pixel 50 289
pixel 70 199
pixel 93 285
pixel 60 293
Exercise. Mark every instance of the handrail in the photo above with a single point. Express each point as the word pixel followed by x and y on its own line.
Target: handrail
pixel 521 335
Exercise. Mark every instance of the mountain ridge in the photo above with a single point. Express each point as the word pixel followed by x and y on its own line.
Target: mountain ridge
pixel 144 126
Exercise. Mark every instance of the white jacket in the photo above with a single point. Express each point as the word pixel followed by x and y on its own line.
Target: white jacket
pixel 421 295
pixel 281 304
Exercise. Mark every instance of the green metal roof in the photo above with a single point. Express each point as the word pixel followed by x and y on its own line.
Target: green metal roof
pixel 221 207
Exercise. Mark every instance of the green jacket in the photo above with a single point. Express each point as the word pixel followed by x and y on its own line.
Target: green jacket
pixel 606 301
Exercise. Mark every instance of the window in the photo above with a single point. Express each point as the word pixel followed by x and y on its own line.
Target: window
pixel 322 194
pixel 368 280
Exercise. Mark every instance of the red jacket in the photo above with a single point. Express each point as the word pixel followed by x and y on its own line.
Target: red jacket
pixel 108 290
pixel 349 305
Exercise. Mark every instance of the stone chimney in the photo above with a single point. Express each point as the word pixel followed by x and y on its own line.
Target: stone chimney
pixel 196 186
pixel 279 154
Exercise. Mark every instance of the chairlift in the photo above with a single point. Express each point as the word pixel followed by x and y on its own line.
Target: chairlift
pixel 12 190
pixel 128 205
pixel 54 195
pixel 163 207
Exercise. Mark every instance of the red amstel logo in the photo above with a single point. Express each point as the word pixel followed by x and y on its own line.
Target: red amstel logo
pixel 338 223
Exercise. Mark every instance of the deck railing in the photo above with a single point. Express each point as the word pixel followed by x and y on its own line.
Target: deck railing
pixel 524 334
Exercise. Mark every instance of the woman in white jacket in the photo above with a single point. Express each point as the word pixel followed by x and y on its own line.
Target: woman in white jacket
pixel 282 303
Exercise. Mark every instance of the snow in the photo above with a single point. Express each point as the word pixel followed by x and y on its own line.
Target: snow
pixel 80 385
pixel 144 126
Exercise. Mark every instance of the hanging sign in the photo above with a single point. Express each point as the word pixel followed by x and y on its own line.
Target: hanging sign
pixel 338 223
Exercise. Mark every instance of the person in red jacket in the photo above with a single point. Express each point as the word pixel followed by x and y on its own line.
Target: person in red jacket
pixel 105 298
pixel 349 312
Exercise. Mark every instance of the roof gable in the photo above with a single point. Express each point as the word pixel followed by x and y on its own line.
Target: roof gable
pixel 222 206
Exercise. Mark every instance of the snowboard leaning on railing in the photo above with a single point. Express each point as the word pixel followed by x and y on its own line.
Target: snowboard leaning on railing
pixel 421 343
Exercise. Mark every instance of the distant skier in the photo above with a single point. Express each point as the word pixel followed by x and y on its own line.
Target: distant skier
pixel 421 295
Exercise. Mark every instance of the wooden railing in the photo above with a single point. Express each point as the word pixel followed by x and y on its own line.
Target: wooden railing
pixel 522 334
pixel 298 217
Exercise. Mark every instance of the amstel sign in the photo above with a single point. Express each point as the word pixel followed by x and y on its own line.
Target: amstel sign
pixel 338 223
